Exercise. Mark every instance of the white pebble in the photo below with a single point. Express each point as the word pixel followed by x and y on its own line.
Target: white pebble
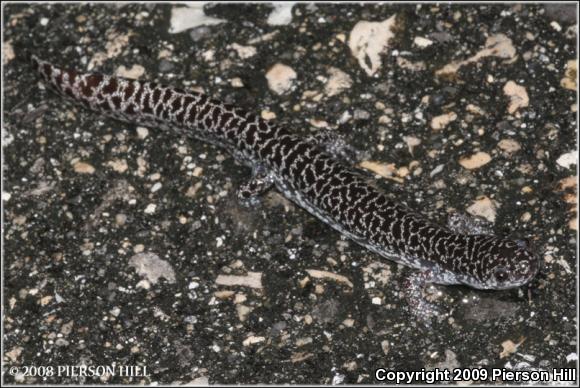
pixel 568 159
pixel 150 209
pixel 142 132
pixel 193 285
pixel 422 42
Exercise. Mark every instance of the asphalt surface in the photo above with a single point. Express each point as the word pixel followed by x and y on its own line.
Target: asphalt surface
pixel 120 243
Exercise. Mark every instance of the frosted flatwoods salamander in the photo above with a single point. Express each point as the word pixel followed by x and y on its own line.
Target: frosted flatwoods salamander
pixel 459 253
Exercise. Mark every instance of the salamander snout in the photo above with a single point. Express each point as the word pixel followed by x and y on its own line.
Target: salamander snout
pixel 512 264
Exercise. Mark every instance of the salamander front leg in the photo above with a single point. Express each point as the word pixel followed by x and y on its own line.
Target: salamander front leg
pixel 418 305
pixel 464 224
pixel 260 182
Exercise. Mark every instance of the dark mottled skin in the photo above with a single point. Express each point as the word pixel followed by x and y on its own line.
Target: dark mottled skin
pixel 310 177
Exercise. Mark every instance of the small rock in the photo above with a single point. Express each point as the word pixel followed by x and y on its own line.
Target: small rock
pixel 337 82
pixel 368 40
pixel 329 275
pixel 83 168
pixel 569 80
pixel 475 109
pixel 150 209
pixel 66 329
pixel 475 161
pixel 412 142
pixel 118 165
pixel 385 346
pixel 496 46
pixel 280 78
pixel 440 122
pixel 244 52
pixel 251 340
pixel 142 132
pixel 568 159
pixel 243 312
pixel 252 280
pixel 360 114
pixel 150 266
pixel 281 14
pixel 237 82
pixel 120 219
pixel 14 354
pixel 556 26
pixel 202 380
pixel 509 347
pixel 268 115
pixel 8 51
pixel 304 341
pixel 509 146
pixel 422 42
pixel 134 72
pixel 517 95
pixel 185 18
pixel 483 207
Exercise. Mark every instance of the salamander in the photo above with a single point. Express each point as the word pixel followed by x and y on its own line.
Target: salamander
pixel 311 177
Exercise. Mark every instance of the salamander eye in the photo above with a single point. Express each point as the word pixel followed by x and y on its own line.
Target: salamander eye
pixel 500 274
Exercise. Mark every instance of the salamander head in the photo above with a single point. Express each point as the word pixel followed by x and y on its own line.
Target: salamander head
pixel 503 263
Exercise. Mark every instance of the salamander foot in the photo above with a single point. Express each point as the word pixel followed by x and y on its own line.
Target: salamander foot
pixel 336 145
pixel 415 293
pixel 260 182
pixel 464 224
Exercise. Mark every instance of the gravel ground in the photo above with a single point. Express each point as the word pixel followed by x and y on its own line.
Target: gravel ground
pixel 125 246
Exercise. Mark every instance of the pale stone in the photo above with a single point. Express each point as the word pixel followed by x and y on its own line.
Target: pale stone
pixel 569 80
pixel 568 159
pixel 280 78
pixel 441 121
pixel 83 168
pixel 337 82
pixel 422 42
pixel 517 95
pixel 252 280
pixel 244 52
pixel 185 18
pixel 329 275
pixel 281 14
pixel 483 207
pixel 368 40
pixel 150 266
pixel 510 146
pixel 497 45
pixel 134 72
pixel 475 161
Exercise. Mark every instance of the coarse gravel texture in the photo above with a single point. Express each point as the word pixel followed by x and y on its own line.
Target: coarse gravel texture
pixel 114 237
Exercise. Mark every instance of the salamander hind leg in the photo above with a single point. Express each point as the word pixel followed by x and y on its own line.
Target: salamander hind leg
pixel 463 224
pixel 335 144
pixel 260 182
